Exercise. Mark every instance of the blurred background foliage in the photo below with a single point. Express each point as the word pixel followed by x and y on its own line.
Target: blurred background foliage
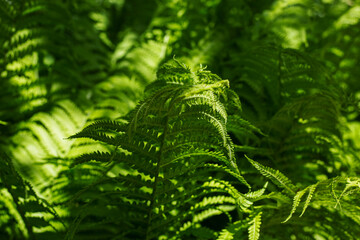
pixel 294 64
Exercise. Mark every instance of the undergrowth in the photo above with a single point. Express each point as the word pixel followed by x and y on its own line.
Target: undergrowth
pixel 179 119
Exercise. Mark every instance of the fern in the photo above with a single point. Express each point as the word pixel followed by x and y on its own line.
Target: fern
pixel 254 229
pixel 296 202
pixel 326 194
pixel 308 199
pixel 162 146
pixel 326 197
pixel 275 176
pixel 172 165
pixel 30 213
pixel 233 231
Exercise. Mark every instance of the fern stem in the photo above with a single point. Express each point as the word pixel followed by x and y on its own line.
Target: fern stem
pixel 157 171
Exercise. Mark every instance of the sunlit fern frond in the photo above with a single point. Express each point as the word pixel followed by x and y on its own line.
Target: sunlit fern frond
pixel 164 149
pixel 271 76
pixel 275 176
pixel 41 65
pixel 28 216
pixel 309 130
pixel 337 198
pixel 43 137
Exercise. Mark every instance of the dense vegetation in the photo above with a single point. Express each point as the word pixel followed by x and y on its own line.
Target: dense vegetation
pixel 180 119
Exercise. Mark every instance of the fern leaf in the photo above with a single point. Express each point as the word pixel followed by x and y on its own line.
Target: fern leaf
pixel 233 231
pixel 275 176
pixel 312 189
pixel 254 228
pixel 27 204
pixel 256 194
pixel 296 202
pixel 225 235
pixel 228 188
pixel 236 175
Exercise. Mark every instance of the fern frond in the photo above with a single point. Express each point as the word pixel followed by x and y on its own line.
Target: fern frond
pixel 296 202
pixel 275 176
pixel 257 194
pixel 234 231
pixel 228 188
pixel 167 148
pixel 236 175
pixel 325 193
pixel 312 189
pixel 305 131
pixel 43 135
pixel 254 228
pixel 34 213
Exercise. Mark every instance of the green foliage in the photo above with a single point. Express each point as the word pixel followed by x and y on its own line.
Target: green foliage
pixel 162 149
pixel 275 176
pixel 254 229
pixel 112 128
pixel 23 211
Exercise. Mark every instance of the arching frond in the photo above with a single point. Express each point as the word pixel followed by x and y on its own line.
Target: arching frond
pixel 29 214
pixel 275 176
pixel 161 150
